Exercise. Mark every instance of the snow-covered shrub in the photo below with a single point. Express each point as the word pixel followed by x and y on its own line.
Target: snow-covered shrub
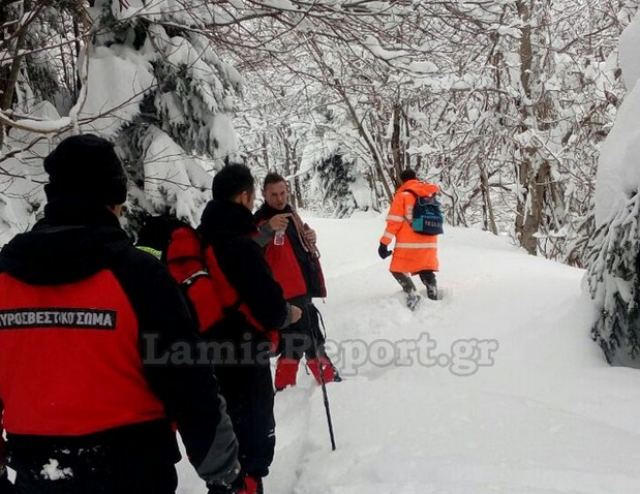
pixel 613 252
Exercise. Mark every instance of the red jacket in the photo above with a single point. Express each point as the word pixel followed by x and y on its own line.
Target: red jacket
pixel 49 339
pixel 286 268
pixel 87 327
pixel 295 264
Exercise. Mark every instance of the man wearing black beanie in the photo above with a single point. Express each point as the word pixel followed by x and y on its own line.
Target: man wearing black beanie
pixel 99 181
pixel 87 322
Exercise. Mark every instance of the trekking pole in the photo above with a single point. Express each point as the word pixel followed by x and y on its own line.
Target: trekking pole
pixel 323 384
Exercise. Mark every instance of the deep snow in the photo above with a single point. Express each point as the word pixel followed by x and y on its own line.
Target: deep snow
pixel 548 417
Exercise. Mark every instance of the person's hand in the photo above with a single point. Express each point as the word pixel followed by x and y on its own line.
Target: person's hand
pixel 279 222
pixel 296 314
pixel 222 489
pixel 310 234
pixel 236 487
pixel 383 251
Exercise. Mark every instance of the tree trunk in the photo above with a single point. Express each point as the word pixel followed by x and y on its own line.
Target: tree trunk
pixel 396 143
pixel 487 206
pixel 528 207
pixel 287 166
pixel 9 76
pixel 265 151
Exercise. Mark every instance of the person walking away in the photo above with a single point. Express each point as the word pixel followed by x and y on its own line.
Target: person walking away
pixel 414 253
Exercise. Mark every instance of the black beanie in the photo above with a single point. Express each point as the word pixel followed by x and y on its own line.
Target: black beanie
pixel 86 166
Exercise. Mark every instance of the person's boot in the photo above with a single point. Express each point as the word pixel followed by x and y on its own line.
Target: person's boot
pixel 406 283
pixel 413 298
pixel 252 485
pixel 286 373
pixel 432 291
pixel 429 280
pixel 328 370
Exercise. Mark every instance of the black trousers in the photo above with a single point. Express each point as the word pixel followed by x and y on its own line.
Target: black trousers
pixel 248 390
pixel 303 338
pixel 133 478
pixel 427 277
pixel 131 461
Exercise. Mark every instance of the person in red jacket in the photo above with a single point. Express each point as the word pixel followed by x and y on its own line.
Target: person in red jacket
pixel 290 249
pixel 90 391
pixel 414 253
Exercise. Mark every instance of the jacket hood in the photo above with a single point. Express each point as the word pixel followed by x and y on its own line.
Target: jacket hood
pixel 224 219
pixel 419 188
pixel 58 250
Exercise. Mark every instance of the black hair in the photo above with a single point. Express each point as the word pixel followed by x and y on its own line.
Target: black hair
pixel 231 181
pixel 407 174
pixel 272 178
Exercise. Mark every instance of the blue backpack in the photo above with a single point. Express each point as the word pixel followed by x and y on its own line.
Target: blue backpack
pixel 427 215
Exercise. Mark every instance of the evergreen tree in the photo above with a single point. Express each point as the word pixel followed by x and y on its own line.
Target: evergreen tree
pixel 614 284
pixel 614 251
pixel 181 126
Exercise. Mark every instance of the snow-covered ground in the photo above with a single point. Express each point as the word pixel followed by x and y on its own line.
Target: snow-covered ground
pixel 548 416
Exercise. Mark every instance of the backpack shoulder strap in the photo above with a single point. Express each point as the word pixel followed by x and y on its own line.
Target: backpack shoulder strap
pixel 412 193
pixel 184 242
pixel 184 256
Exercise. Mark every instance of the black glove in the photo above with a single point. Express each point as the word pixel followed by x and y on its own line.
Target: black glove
pixel 236 486
pixel 221 489
pixel 383 251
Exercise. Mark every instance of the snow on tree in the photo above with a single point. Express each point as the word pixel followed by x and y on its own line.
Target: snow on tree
pixel 504 104
pixel 142 75
pixel 614 251
pixel 38 84
pixel 176 100
pixel 505 108
pixel 340 179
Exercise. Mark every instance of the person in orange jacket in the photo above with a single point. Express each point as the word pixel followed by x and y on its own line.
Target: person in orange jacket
pixel 414 253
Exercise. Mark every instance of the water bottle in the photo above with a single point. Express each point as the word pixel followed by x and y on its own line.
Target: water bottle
pixel 278 238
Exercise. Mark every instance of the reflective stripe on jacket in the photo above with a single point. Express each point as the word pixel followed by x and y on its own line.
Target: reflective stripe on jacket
pixel 413 251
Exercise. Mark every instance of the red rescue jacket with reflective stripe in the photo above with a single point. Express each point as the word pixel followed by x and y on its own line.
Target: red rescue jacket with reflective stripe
pixel 413 251
pixel 49 339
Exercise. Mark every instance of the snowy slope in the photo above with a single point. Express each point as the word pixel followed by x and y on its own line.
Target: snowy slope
pixel 548 417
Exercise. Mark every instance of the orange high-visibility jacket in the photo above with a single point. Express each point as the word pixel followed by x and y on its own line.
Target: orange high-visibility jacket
pixel 413 251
